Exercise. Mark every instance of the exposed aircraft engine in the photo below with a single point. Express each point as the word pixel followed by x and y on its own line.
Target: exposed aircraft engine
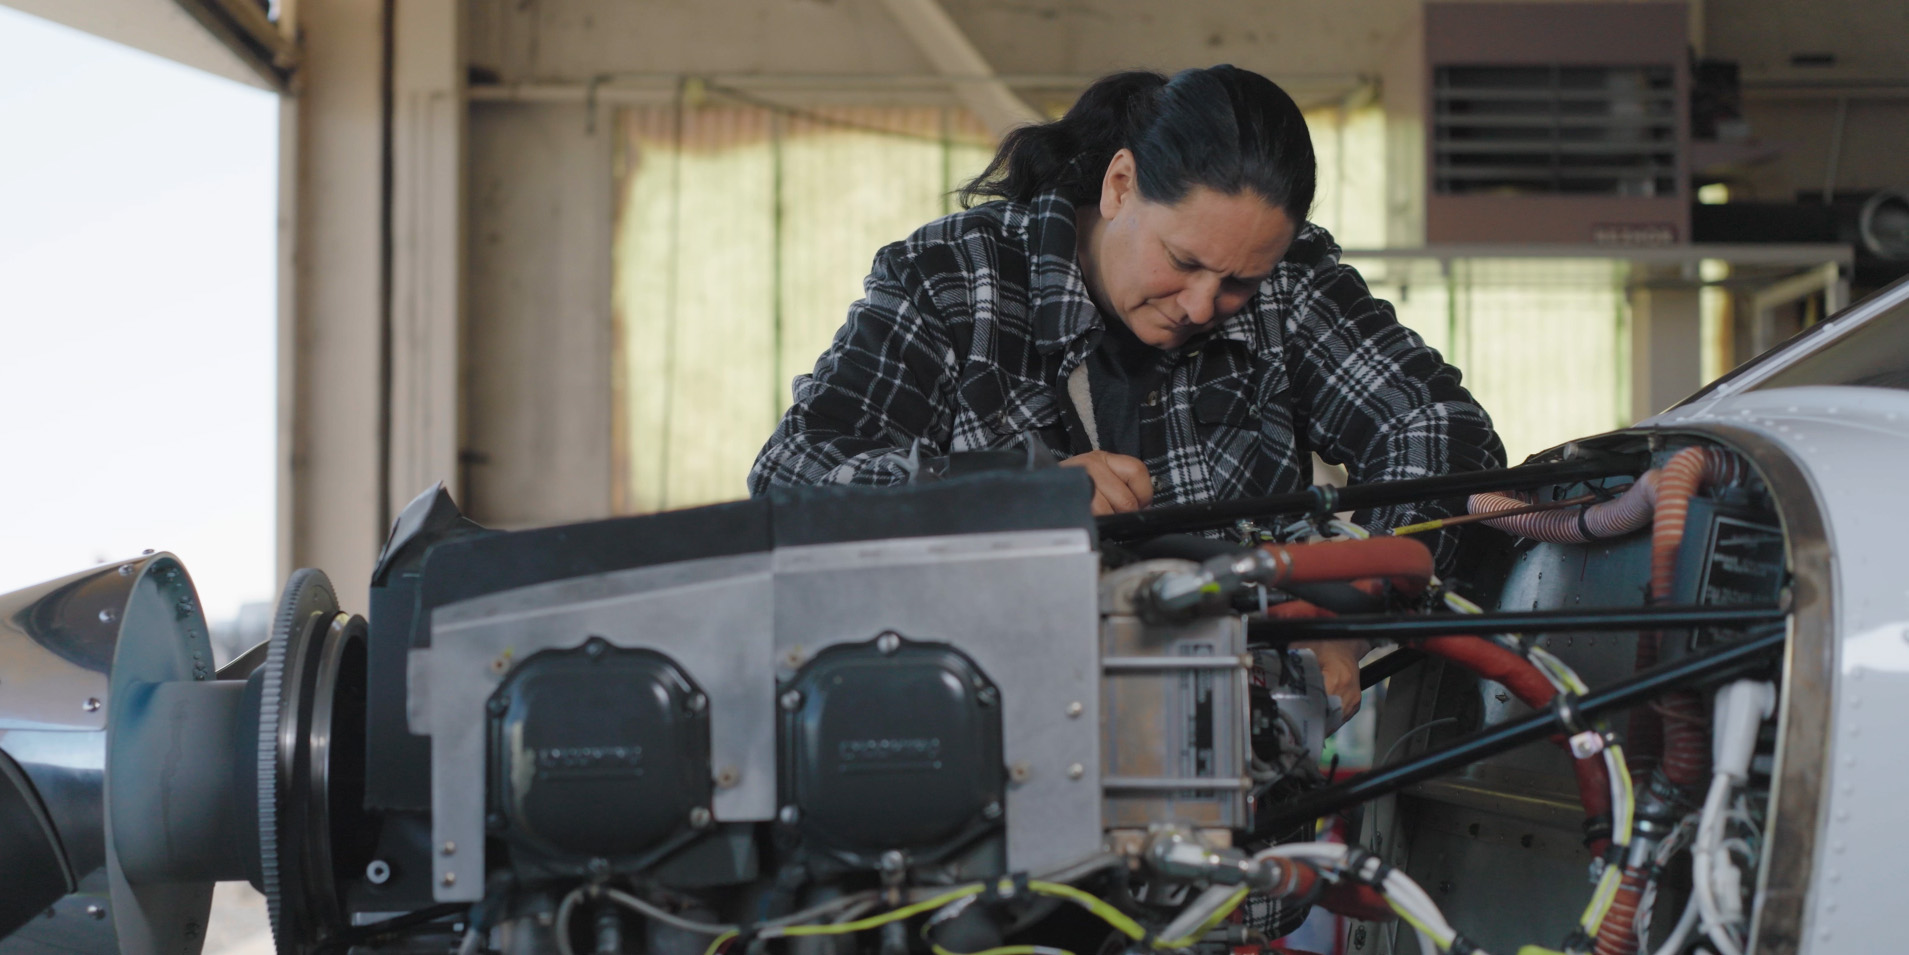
pixel 956 717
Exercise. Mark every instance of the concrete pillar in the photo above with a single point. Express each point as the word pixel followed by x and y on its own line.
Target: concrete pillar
pixel 332 297
pixel 428 148
pixel 1666 347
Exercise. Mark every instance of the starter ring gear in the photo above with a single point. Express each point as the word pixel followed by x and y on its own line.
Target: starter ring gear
pixel 310 639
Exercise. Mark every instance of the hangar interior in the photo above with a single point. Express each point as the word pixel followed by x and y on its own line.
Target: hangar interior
pixel 564 256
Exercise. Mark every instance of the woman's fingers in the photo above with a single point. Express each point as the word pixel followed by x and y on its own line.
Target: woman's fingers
pixel 1121 483
pixel 1133 474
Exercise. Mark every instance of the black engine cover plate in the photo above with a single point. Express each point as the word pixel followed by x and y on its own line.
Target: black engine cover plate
pixel 598 752
pixel 892 745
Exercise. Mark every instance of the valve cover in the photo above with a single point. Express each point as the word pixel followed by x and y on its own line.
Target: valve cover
pixel 598 752
pixel 892 745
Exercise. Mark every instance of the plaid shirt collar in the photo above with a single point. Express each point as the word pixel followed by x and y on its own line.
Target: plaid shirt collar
pixel 1064 312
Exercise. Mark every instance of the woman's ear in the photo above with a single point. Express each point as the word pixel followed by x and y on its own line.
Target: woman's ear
pixel 1119 186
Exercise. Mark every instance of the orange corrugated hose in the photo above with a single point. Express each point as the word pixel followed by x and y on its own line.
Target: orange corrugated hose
pixel 1676 727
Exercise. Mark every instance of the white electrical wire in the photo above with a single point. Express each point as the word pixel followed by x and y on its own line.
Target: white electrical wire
pixel 1703 862
pixel 1623 798
pixel 1681 934
pixel 1412 903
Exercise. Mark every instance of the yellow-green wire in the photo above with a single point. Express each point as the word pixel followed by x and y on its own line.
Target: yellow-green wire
pixel 859 925
pixel 1232 902
pixel 1107 913
pixel 1005 950
pixel 1423 929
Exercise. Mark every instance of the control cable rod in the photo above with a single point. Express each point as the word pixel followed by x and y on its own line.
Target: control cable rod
pixel 1326 499
pixel 1410 626
pixel 1728 661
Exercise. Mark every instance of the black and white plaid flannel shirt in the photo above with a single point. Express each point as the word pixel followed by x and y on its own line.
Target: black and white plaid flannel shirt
pixel 970 327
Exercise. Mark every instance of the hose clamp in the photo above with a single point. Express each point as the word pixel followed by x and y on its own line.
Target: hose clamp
pixel 1564 706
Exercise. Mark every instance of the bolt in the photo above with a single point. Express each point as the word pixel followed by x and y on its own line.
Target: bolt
pixel 788 815
pixel 697 703
pixel 893 861
pixel 96 911
pixel 106 616
pixel 1075 709
pixel 91 705
pixel 1076 771
pixel 378 872
pixel 888 642
pixel 991 811
pixel 449 879
pixel 792 700
pixel 699 818
pixel 449 848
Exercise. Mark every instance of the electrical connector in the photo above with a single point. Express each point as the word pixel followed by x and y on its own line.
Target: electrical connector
pixel 1741 708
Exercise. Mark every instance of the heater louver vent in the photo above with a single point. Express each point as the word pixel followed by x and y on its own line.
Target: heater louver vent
pixel 1555 130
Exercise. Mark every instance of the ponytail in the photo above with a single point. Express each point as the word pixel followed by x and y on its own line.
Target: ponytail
pixel 1224 128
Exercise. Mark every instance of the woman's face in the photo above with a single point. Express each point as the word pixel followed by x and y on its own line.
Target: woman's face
pixel 1171 271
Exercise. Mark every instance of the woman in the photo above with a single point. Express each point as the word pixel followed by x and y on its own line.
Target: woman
pixel 1146 295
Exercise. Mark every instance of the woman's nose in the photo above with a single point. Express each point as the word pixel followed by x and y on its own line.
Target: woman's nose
pixel 1200 300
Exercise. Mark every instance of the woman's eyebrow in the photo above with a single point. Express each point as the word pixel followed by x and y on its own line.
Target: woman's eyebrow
pixel 1194 261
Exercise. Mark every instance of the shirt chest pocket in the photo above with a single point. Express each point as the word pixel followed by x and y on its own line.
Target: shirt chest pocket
pixel 998 407
pixel 1229 392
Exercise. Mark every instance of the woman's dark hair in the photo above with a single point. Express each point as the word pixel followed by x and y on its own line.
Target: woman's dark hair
pixel 1222 127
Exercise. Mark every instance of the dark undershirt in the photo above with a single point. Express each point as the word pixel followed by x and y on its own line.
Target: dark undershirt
pixel 1121 372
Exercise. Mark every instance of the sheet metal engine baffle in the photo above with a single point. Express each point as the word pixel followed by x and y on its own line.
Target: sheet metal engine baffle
pixel 1016 608
pixel 1175 711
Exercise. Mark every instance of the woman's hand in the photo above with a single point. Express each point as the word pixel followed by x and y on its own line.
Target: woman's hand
pixel 1121 483
pixel 1339 667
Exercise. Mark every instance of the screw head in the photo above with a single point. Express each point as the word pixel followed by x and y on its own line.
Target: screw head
pixel 788 815
pixel 699 818
pixel 697 703
pixel 594 647
pixel 106 616
pixel 1020 772
pixel 497 705
pixel 991 811
pixel 96 911
pixel 987 696
pixel 792 700
pixel 893 861
pixel 449 878
pixel 1075 709
pixel 449 848
pixel 888 642
pixel 91 705
pixel 728 777
pixel 599 867
pixel 1076 771
pixel 125 570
